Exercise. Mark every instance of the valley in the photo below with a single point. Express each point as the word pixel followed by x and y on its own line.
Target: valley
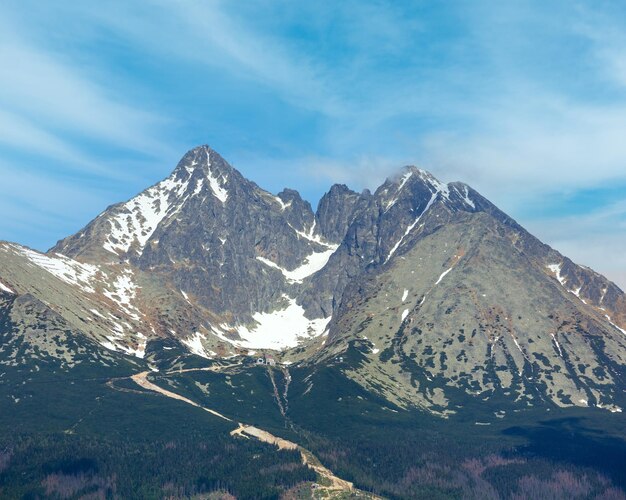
pixel 411 342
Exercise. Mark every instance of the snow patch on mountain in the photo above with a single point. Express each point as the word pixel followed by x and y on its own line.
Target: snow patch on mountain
pixel 219 192
pixel 199 185
pixel 62 267
pixel 519 348
pixel 403 181
pixel 436 184
pixel 556 343
pixel 405 313
pixel 467 199
pixel 140 352
pixel 556 269
pixel 112 344
pixel 280 329
pixel 412 225
pixel 124 293
pixel 311 236
pixel 195 345
pixel 137 219
pixel 283 205
pixel 217 187
pixel 312 264
pixel 6 288
pixel 610 321
pixel 443 275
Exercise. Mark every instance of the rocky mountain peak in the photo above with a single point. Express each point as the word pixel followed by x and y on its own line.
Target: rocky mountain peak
pixel 430 279
pixel 204 166
pixel 201 177
pixel 336 211
pixel 410 181
pixel 297 212
pixel 204 158
pixel 292 200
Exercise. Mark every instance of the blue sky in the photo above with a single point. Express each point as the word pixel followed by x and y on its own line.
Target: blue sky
pixel 524 100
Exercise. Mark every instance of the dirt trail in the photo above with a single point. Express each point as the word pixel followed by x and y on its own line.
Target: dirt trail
pixel 336 484
pixel 261 435
pixel 141 380
pixel 217 368
pixel 330 483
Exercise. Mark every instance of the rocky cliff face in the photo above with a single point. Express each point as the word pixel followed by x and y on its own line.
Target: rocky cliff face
pixel 467 308
pixel 231 250
pixel 336 211
pixel 438 291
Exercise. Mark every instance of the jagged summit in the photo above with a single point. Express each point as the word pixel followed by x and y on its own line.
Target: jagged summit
pixel 382 308
pixel 207 160
pixel 233 251
pixel 409 170
pixel 336 210
pixel 412 183
pixel 209 258
pixel 201 177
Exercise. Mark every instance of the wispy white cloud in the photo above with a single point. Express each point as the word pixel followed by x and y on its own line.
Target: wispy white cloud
pixel 53 105
pixel 18 132
pixel 607 40
pixel 535 146
pixel 39 204
pixel 497 95
pixel 63 129
pixel 208 34
pixel 38 85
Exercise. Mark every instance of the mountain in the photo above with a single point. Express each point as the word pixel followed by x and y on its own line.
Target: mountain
pixel 232 252
pixel 446 291
pixel 418 301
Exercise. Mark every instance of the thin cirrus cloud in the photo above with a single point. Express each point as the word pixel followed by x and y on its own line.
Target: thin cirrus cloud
pixel 39 86
pixel 526 101
pixel 59 131
pixel 207 36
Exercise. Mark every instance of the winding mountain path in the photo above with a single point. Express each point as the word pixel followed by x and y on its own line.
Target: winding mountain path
pixel 329 483
pixel 142 381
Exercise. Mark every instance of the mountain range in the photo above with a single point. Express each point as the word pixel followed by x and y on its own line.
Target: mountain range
pixel 419 299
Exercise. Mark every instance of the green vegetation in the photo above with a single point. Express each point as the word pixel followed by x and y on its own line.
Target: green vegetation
pixel 67 434
pixel 72 465
pixel 72 433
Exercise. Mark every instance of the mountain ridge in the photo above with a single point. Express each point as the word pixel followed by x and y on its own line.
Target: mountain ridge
pixel 209 259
